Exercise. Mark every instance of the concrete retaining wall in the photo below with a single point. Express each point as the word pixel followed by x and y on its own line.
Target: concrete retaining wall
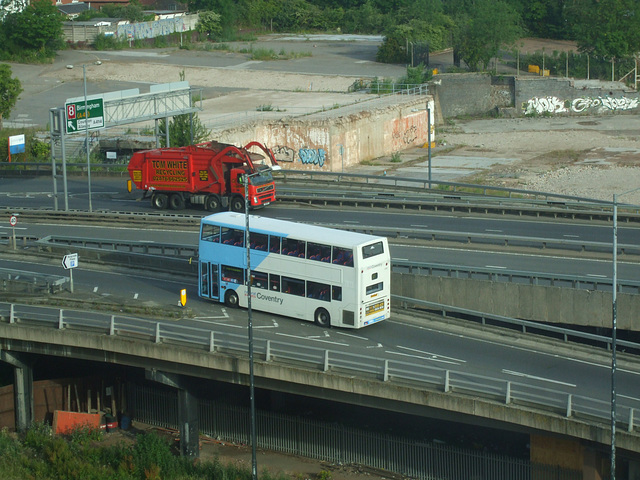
pixel 332 142
pixel 537 303
pixel 563 96
pixel 478 94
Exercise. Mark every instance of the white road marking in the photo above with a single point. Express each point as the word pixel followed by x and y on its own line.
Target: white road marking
pixel 494 266
pixel 359 337
pixel 315 339
pixel 433 359
pixel 135 297
pixel 400 259
pixel 422 352
pixel 597 276
pixel 216 317
pixel 571 236
pixel 95 289
pixel 533 377
pixel 421 226
pixel 492 230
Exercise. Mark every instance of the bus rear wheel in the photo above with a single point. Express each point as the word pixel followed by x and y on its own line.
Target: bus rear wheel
pixel 322 318
pixel 159 201
pixel 231 299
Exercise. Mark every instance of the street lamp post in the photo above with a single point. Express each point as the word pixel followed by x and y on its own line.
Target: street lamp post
pixel 254 462
pixel 247 201
pixel 429 140
pixel 614 329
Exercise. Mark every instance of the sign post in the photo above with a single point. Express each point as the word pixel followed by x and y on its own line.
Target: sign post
pixel 69 262
pixel 13 221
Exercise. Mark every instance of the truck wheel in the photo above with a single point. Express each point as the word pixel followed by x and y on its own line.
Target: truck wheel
pixel 322 318
pixel 176 202
pixel 237 204
pixel 212 203
pixel 159 201
pixel 231 299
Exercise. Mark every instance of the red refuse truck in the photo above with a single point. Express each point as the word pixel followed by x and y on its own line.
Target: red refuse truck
pixel 209 174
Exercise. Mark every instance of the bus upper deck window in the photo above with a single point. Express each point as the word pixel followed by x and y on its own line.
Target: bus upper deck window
pixel 372 250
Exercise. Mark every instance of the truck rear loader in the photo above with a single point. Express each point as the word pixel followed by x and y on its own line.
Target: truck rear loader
pixel 209 174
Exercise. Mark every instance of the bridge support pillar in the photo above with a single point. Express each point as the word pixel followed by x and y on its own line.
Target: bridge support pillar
pixel 22 388
pixel 187 410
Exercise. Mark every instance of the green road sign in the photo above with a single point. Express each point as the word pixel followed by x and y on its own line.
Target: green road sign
pixel 76 117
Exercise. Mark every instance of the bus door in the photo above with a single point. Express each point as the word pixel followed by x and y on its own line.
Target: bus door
pixel 215 283
pixel 209 283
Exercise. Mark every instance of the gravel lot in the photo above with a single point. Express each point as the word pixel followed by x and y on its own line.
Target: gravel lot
pixel 591 157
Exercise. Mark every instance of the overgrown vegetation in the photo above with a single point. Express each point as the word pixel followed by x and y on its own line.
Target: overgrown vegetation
pixel 82 454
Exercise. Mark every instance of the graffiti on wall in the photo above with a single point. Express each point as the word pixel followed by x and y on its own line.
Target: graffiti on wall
pixel 152 29
pixel 409 135
pixel 283 153
pixel 307 156
pixel 310 156
pixel 555 105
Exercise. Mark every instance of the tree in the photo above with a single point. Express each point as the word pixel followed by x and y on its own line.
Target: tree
pixel 10 88
pixel 209 24
pixel 38 28
pixel 607 28
pixel 180 128
pixel 483 29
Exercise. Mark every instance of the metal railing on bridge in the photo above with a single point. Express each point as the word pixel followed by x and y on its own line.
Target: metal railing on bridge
pixel 384 369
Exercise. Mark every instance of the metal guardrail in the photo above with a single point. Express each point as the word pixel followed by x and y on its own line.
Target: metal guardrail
pixel 383 369
pixel 462 190
pixel 16 281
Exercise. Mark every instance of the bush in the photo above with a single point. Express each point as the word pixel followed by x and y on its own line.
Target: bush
pixel 109 42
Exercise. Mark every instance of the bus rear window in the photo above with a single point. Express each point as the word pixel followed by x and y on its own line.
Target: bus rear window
pixel 372 250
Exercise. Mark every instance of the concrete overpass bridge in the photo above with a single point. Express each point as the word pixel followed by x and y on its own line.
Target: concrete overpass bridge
pixel 173 354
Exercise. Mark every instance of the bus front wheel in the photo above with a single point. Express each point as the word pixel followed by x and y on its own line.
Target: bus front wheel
pixel 322 318
pixel 231 299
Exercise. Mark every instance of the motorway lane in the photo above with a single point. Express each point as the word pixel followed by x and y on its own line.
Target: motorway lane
pixel 109 194
pixel 506 258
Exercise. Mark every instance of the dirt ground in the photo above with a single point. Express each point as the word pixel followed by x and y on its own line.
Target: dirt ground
pixel 591 157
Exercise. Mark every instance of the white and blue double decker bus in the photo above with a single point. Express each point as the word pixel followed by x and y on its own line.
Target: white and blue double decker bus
pixel 329 276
